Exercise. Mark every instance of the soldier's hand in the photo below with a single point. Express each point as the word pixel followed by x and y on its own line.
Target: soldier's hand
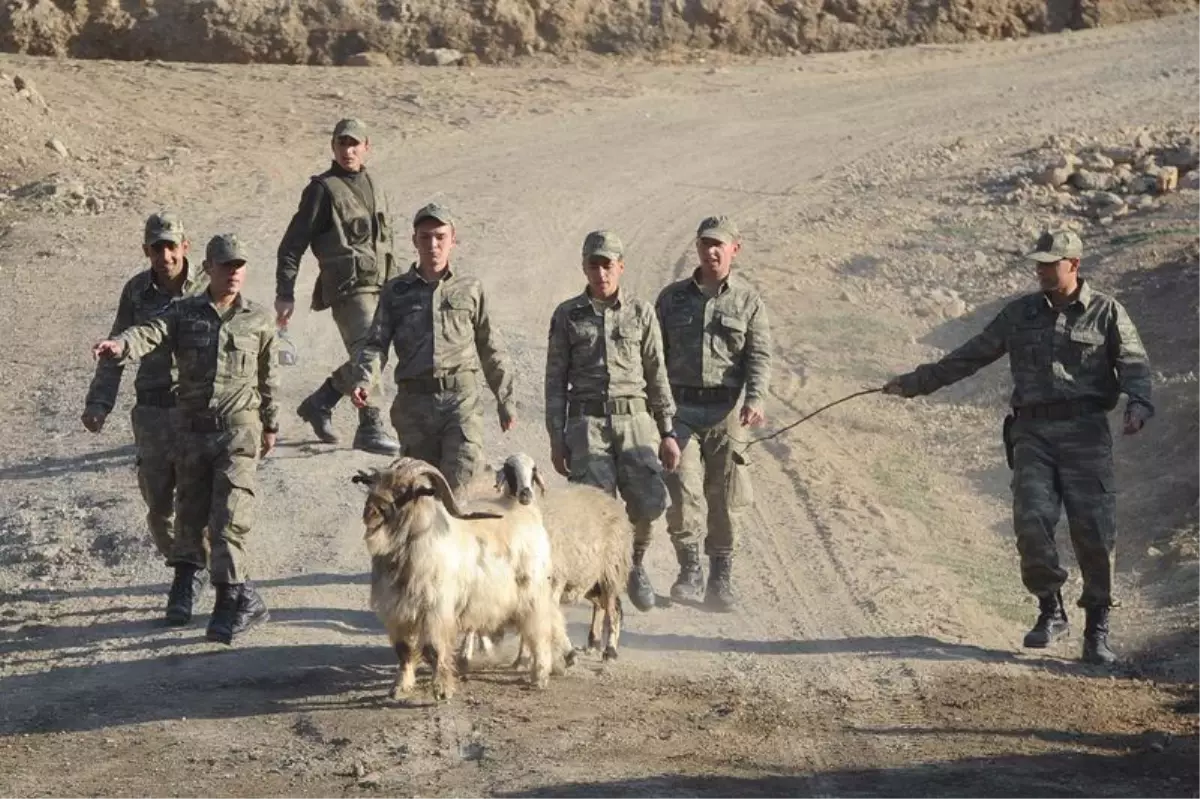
pixel 283 311
pixel 899 386
pixel 507 420
pixel 359 397
pixel 560 459
pixel 93 420
pixel 1136 416
pixel 751 417
pixel 268 443
pixel 669 454
pixel 109 348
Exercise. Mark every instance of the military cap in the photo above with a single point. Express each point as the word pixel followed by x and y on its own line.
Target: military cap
pixel 1055 245
pixel 720 228
pixel 354 128
pixel 164 226
pixel 434 211
pixel 225 248
pixel 603 243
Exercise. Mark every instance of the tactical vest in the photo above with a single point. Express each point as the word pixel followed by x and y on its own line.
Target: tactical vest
pixel 354 255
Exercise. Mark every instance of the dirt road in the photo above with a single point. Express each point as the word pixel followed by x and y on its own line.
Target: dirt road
pixel 876 646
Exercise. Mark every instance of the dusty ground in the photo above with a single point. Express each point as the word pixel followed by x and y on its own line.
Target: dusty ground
pixel 875 651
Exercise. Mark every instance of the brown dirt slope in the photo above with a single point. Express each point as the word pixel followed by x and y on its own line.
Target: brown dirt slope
pixel 316 32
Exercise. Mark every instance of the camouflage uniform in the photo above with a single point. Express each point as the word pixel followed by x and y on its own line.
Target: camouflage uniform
pixel 226 398
pixel 608 403
pixel 142 300
pixel 345 219
pixel 1069 365
pixel 443 338
pixel 714 347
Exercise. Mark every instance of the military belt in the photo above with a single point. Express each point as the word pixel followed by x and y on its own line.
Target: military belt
pixel 1060 411
pixel 613 407
pixel 210 422
pixel 434 385
pixel 157 398
pixel 717 395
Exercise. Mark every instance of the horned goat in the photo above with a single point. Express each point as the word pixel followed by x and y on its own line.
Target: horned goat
pixel 436 568
pixel 591 543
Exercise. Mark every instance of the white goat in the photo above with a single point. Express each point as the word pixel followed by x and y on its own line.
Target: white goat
pixel 436 568
pixel 591 542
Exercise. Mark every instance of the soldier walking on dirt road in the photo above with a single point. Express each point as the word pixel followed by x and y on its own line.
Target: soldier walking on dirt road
pixel 439 323
pixel 344 217
pixel 227 416
pixel 147 295
pixel 1072 352
pixel 717 342
pixel 608 405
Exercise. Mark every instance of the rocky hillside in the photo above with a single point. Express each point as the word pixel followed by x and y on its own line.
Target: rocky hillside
pixel 377 32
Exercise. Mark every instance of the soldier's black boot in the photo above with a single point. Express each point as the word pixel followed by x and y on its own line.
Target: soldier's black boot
pixel 224 614
pixel 372 436
pixel 317 410
pixel 188 583
pixel 1095 638
pixel 690 582
pixel 1051 622
pixel 718 595
pixel 641 592
pixel 250 610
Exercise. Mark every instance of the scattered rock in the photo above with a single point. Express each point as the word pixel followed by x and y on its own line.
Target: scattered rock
pixel 1144 140
pixel 1191 180
pixel 1053 176
pixel 58 147
pixel 1120 154
pixel 371 780
pixel 1168 180
pixel 1087 180
pixel 440 57
pixel 1098 162
pixel 367 59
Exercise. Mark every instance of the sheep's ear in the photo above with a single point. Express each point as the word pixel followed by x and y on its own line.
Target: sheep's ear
pixel 500 478
pixel 366 478
pixel 538 481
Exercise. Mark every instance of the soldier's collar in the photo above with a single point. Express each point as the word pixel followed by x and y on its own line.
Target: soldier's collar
pixel 1083 296
pixel 239 303
pixel 587 298
pixel 696 282
pixel 413 275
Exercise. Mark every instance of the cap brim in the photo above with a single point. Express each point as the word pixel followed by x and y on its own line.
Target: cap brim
pixel 173 238
pixel 611 255
pixel 435 218
pixel 1045 257
pixel 722 236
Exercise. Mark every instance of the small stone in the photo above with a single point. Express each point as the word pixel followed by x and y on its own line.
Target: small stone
pixel 58 147
pixel 1066 161
pixel 1143 141
pixel 367 59
pixel 980 258
pixel 371 780
pixel 1190 180
pixel 1168 180
pixel 94 204
pixel 1053 176
pixel 1087 180
pixel 1120 155
pixel 1154 552
pixel 440 57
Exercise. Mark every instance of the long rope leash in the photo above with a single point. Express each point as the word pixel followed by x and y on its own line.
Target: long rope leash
pixel 802 420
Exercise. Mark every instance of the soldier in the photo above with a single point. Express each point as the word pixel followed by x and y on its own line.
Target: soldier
pixel 439 323
pixel 717 342
pixel 1072 352
pixel 226 350
pixel 344 217
pixel 608 406
pixel 145 296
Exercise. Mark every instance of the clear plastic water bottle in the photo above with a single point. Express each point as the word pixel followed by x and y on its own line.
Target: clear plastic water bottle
pixel 287 349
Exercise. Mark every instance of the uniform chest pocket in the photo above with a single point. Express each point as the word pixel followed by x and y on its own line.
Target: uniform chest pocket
pixel 731 331
pixel 1027 345
pixel 458 321
pixel 358 229
pixel 197 341
pixel 241 354
pixel 627 338
pixel 1084 345
pixel 584 333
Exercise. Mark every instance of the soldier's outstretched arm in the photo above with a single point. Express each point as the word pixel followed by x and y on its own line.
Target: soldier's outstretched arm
pixel 142 339
pixel 497 369
pixel 106 382
pixel 978 352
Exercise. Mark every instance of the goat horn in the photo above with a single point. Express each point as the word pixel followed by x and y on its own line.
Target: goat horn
pixel 442 489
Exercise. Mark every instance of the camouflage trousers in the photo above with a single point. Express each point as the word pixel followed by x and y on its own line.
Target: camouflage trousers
pixel 443 428
pixel 217 474
pixel 353 316
pixel 711 490
pixel 619 454
pixel 154 437
pixel 1065 464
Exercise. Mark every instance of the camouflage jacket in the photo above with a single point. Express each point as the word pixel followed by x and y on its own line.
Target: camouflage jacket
pixel 1088 350
pixel 602 356
pixel 720 341
pixel 437 329
pixel 227 362
pixel 141 300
